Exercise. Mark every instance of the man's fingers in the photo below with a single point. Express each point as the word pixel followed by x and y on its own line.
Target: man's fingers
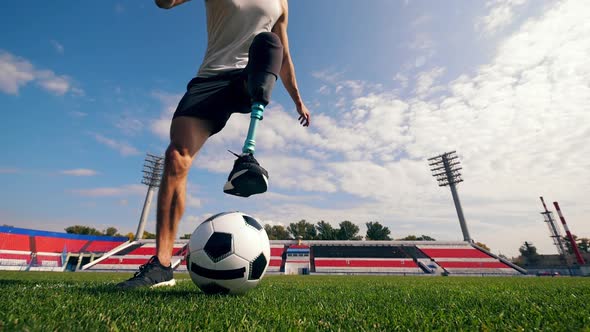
pixel 304 120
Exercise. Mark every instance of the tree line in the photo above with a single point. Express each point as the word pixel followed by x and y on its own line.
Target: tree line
pixel 110 231
pixel 346 230
pixel 302 229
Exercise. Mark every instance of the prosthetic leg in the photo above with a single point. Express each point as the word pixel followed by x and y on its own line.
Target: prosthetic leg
pixel 247 176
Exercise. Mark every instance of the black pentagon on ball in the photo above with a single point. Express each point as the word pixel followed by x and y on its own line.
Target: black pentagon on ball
pixel 214 288
pixel 257 267
pixel 218 274
pixel 252 222
pixel 218 246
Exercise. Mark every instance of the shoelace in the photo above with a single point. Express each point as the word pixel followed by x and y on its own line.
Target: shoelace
pixel 235 154
pixel 142 268
pixel 248 157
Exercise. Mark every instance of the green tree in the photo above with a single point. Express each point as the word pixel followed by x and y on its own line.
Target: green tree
pixel 377 232
pixel 186 236
pixel 582 243
pixel 417 238
pixel 276 232
pixel 111 231
pixel 302 229
pixel 325 231
pixel 348 231
pixel 147 235
pixel 83 230
pixel 529 252
pixel 425 238
pixel 568 243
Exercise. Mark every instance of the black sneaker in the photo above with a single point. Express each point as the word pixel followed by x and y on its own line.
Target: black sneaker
pixel 151 274
pixel 247 177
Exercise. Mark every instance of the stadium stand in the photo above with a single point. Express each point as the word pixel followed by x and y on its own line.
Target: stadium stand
pixel 25 249
pixel 36 250
pixel 363 257
pixel 276 264
pixel 464 259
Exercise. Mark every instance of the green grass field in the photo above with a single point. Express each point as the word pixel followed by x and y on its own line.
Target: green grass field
pixel 36 301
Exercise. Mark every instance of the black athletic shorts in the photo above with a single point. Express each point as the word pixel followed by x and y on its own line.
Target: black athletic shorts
pixel 215 98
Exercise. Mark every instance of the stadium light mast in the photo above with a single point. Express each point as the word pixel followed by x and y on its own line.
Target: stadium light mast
pixel 446 169
pixel 579 257
pixel 152 174
pixel 555 233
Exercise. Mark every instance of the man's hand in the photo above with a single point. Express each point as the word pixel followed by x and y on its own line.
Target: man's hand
pixel 304 116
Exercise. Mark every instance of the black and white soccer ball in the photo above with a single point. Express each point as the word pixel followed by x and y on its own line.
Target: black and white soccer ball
pixel 228 254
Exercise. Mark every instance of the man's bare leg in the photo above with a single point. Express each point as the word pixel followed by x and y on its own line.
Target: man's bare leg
pixel 187 136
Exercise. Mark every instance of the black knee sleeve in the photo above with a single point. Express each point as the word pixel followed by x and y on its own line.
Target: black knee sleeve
pixel 264 65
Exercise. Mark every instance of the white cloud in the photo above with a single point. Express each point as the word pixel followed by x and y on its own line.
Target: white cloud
pixel 426 79
pixel 424 46
pixel 127 190
pixel 78 114
pixel 192 201
pixel 124 148
pixel 421 20
pixel 501 14
pixel 16 72
pixel 59 48
pixel 161 126
pixel 129 125
pixel 79 172
pixel 402 79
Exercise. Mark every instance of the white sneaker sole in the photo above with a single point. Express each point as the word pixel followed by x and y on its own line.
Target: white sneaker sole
pixel 165 283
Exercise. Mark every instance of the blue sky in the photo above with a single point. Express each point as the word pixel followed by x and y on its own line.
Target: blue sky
pixel 86 89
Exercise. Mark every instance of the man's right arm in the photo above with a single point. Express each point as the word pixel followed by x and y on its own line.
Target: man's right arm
pixel 167 4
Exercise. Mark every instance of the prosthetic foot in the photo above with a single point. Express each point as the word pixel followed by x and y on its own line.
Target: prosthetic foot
pixel 247 176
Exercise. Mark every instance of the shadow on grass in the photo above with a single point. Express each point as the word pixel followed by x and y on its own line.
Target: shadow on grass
pixel 12 282
pixel 155 293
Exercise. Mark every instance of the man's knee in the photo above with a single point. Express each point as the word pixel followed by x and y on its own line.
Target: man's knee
pixel 267 40
pixel 266 57
pixel 266 54
pixel 178 161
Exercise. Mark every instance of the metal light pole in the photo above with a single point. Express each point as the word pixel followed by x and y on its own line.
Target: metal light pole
pixel 555 233
pixel 445 168
pixel 152 173
pixel 579 257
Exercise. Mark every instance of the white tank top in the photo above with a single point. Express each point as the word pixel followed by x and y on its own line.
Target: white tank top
pixel 231 27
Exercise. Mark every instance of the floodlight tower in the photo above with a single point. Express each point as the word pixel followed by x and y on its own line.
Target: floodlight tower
pixel 555 233
pixel 152 173
pixel 445 168
pixel 554 230
pixel 579 257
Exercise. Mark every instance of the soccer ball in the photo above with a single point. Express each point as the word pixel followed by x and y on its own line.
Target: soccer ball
pixel 228 254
